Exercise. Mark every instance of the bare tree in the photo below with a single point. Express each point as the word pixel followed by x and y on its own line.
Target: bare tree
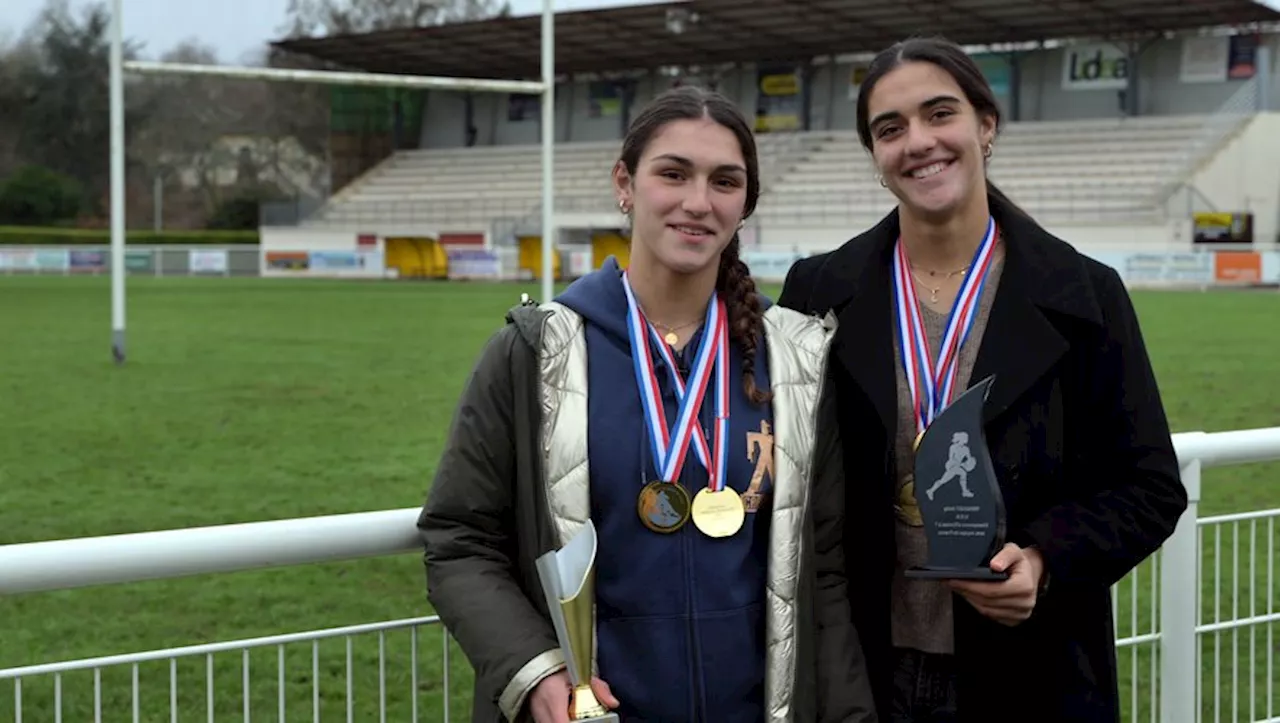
pixel 186 116
pixel 344 17
pixel 19 58
pixel 62 102
pixel 211 141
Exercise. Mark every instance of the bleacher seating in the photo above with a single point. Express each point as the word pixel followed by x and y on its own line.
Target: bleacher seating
pixel 470 186
pixel 1062 171
pixel 1110 169
pixel 474 186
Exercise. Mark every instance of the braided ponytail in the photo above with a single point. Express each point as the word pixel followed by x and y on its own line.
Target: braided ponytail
pixel 746 316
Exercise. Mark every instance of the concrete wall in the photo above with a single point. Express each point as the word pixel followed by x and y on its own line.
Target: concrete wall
pixel 1037 80
pixel 1244 177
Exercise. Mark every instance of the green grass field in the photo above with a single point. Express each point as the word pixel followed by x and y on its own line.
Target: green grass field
pixel 249 399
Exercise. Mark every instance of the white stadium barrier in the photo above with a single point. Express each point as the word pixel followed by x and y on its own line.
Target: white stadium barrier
pixel 1177 626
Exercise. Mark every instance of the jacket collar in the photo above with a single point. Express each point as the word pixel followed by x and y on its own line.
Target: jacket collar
pixel 1043 278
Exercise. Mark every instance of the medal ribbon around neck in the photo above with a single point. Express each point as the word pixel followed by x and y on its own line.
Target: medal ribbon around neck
pixel 932 382
pixel 671 446
pixel 721 430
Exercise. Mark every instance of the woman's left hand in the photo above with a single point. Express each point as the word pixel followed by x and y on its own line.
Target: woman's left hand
pixel 1009 601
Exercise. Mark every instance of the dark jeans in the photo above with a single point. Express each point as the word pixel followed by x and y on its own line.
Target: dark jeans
pixel 924 688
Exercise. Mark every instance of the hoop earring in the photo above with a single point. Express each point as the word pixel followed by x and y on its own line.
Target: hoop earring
pixel 987 152
pixel 622 207
pixel 880 180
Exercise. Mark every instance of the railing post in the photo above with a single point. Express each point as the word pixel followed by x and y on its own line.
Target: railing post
pixel 1179 595
pixel 1263 74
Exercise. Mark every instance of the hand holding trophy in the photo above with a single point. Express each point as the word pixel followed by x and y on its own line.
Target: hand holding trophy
pixel 550 701
pixel 568 581
pixel 958 494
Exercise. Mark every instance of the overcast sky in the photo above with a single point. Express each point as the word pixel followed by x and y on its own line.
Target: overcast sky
pixel 232 27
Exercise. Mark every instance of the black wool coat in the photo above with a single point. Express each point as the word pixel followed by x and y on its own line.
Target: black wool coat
pixel 1081 447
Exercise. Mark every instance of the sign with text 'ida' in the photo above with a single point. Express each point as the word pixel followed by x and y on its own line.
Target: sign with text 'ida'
pixel 1103 66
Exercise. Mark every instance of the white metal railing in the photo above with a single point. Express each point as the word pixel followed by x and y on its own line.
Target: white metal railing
pixel 285 698
pixel 1252 604
pixel 1233 609
pixel 1174 646
pixel 1172 638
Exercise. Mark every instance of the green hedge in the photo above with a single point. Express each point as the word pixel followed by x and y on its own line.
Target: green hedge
pixel 45 236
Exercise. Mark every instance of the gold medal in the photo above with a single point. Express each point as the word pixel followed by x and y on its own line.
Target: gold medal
pixel 663 506
pixel 718 514
pixel 906 507
pixel 915 446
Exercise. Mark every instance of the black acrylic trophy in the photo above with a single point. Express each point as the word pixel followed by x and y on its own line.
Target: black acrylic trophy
pixel 958 494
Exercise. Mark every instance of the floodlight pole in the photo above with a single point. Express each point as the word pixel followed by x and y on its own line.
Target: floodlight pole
pixel 116 91
pixel 548 146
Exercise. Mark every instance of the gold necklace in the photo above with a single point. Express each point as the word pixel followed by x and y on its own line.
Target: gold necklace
pixel 933 290
pixel 670 336
pixel 948 274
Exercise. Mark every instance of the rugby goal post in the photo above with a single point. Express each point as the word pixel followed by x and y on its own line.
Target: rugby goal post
pixel 546 88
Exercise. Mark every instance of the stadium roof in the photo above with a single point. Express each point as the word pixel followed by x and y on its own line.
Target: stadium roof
pixel 628 38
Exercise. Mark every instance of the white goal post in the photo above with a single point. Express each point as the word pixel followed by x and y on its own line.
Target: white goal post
pixel 546 87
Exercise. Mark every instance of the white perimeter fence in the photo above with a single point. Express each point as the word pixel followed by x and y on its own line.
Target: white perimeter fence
pixel 1181 609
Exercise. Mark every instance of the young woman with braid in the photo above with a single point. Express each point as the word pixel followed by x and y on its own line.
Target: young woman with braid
pixel 631 400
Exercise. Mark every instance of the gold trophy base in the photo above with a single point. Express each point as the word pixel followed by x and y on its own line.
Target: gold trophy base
pixel 583 706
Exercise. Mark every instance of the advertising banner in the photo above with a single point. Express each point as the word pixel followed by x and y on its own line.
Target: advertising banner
pixel 604 99
pixel 288 260
pixel 1242 56
pixel 1237 267
pixel 777 98
pixel 335 260
pixel 88 261
pixel 18 260
pixel 139 262
pixel 467 263
pixel 1095 67
pixel 1175 268
pixel 1204 59
pixel 53 261
pixel 207 262
pixel 44 261
pixel 1219 227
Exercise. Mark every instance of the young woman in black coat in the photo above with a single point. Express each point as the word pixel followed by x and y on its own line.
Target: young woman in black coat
pixel 1074 422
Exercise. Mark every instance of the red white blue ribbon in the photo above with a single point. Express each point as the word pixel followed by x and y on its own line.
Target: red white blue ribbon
pixel 670 447
pixel 932 379
pixel 721 428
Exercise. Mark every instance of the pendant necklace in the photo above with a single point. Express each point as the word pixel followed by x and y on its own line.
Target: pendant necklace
pixel 669 332
pixel 933 290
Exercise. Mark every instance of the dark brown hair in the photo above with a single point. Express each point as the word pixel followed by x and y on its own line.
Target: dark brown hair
pixel 955 62
pixel 734 282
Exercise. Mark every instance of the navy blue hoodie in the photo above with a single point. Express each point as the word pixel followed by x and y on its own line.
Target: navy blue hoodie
pixel 680 617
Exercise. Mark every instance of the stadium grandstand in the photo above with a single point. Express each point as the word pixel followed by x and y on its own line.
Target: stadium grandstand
pixel 1130 125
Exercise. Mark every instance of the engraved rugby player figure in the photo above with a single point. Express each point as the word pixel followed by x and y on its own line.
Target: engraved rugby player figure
pixel 959 464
